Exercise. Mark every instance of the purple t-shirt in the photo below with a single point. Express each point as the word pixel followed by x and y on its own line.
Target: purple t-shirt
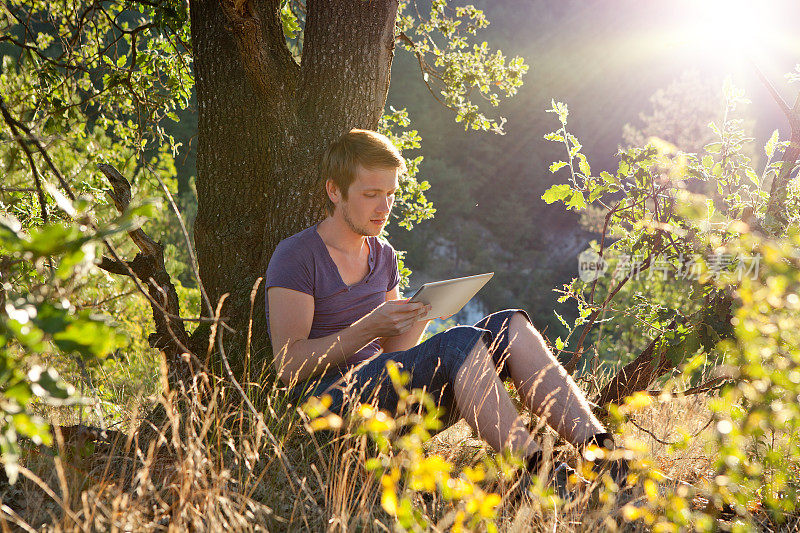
pixel 302 263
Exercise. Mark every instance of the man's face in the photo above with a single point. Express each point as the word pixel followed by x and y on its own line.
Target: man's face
pixel 369 200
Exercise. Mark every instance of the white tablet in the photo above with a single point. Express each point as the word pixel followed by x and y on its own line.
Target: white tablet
pixel 447 297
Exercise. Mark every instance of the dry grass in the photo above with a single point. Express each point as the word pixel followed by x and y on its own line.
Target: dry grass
pixel 217 469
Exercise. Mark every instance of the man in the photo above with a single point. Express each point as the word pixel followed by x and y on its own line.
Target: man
pixel 335 317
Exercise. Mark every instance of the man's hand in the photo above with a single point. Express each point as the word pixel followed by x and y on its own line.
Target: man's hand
pixel 395 317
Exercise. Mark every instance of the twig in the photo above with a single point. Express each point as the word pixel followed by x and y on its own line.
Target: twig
pixel 603 243
pixel 632 421
pixel 33 140
pixel 16 519
pixel 276 445
pixel 774 219
pixel 657 248
pixel 712 384
pixel 772 91
pixel 12 124
pixel 187 240
pixel 425 69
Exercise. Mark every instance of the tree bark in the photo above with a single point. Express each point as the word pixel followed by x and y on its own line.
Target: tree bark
pixel 264 121
pixel 148 266
pixel 636 375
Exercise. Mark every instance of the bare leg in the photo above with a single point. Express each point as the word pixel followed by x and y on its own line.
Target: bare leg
pixel 484 402
pixel 546 387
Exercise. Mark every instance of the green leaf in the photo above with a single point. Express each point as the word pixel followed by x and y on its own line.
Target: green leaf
pixel 575 145
pixel 19 392
pixel 772 143
pixel 753 177
pixel 708 162
pixel 556 193
pixel 597 192
pixel 583 164
pixel 55 239
pixel 559 317
pixel 10 454
pixel 68 263
pixel 560 109
pixel 554 136
pixel 577 201
pixel 89 337
pixel 45 383
pixel 713 148
pixel 374 464
pixel 291 27
pixel 33 427
pixel 555 167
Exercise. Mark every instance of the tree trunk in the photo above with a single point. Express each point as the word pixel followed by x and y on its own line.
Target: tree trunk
pixel 264 122
pixel 636 375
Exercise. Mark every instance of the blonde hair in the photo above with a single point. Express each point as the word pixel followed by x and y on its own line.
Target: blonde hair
pixel 357 147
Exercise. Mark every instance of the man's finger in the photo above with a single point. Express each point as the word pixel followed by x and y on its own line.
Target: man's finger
pixel 409 322
pixel 410 308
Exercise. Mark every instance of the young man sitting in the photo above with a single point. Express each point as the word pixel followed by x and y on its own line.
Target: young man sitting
pixel 335 317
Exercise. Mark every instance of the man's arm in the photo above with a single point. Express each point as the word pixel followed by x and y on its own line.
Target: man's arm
pixel 298 358
pixel 406 340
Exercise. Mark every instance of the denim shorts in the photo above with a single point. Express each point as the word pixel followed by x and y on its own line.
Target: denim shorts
pixel 432 365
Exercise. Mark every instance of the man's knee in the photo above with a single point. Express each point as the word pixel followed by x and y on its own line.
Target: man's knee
pixel 519 319
pixel 459 343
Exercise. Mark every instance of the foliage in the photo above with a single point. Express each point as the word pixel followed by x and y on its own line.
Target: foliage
pixel 757 419
pixel 740 290
pixel 403 467
pixel 451 68
pixel 456 69
pixel 44 264
pixel 754 440
pixel 123 69
pixel 411 205
pixel 653 225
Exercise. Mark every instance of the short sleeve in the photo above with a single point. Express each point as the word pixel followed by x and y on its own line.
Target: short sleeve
pixel 394 272
pixel 290 267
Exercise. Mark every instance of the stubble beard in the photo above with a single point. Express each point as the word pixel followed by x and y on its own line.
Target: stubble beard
pixel 352 225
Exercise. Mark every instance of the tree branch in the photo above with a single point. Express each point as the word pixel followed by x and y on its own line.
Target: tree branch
pixel 33 140
pixel 12 124
pixel 256 28
pixel 114 267
pixel 425 69
pixel 148 266
pixel 636 375
pixel 711 384
pixel 775 221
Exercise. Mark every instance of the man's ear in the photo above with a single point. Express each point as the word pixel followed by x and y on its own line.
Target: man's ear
pixel 333 191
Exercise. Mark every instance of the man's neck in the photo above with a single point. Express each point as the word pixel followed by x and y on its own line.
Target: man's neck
pixel 337 234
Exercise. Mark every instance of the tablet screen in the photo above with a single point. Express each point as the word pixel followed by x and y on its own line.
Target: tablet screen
pixel 449 296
